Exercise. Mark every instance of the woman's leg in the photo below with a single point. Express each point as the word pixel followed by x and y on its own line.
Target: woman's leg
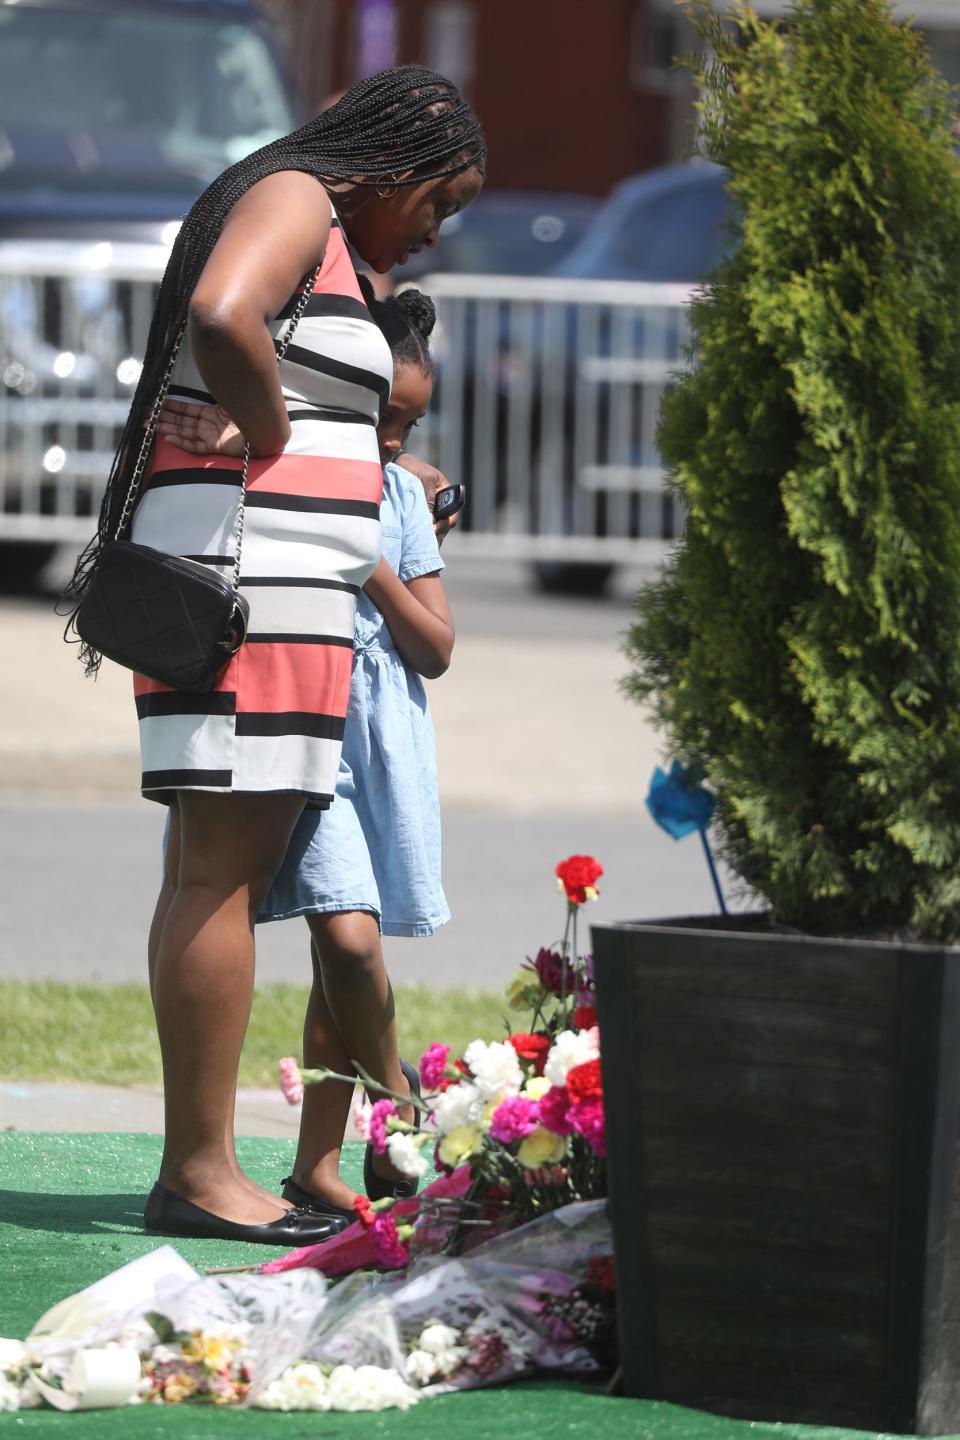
pixel 230 848
pixel 168 888
pixel 358 999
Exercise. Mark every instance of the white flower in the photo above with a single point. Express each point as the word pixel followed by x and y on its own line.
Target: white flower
pixel 407 1156
pixel 421 1367
pixel 9 1394
pixel 300 1387
pixel 435 1337
pixel 496 1068
pixel 367 1387
pixel 13 1354
pixel 460 1105
pixel 570 1048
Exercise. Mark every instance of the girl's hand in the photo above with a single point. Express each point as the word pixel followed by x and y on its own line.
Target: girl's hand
pixel 200 429
pixel 432 480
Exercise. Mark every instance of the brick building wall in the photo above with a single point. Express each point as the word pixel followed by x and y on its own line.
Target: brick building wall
pixel 567 90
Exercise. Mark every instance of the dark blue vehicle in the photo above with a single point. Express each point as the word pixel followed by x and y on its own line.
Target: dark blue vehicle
pixel 666 226
pixel 114 116
pixel 507 232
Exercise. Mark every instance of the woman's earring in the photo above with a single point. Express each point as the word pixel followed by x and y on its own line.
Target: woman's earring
pixel 386 192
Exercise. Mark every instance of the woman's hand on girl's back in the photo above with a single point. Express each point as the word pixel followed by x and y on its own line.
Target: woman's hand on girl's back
pixel 200 429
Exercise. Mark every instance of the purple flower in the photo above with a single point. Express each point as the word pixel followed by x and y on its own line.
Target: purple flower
pixel 433 1065
pixel 514 1119
pixel 550 966
pixel 380 1112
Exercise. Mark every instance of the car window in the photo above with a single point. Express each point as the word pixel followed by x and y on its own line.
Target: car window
pixel 678 235
pixel 202 91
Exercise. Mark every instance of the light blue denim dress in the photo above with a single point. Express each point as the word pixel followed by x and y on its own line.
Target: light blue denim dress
pixel 378 846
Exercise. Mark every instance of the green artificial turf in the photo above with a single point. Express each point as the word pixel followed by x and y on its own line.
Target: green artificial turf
pixel 105 1034
pixel 70 1212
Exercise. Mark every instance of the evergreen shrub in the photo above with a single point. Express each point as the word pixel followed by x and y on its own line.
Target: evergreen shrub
pixel 802 645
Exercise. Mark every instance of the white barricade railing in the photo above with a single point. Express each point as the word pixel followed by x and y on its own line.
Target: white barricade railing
pixel 546 404
pixel 546 399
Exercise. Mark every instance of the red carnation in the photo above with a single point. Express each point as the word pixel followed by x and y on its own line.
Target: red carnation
pixel 584 1017
pixel 584 1082
pixel 534 1048
pixel 578 876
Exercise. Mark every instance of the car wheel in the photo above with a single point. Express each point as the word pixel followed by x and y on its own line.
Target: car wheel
pixel 571 577
pixel 21 563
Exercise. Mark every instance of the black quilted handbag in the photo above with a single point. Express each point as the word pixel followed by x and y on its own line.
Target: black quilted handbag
pixel 174 620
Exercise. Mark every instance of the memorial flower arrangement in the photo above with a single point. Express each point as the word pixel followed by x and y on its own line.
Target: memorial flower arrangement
pixel 522 1116
pixel 500 1267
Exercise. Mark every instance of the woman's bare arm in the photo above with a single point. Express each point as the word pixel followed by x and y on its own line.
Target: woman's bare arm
pixel 418 617
pixel 275 234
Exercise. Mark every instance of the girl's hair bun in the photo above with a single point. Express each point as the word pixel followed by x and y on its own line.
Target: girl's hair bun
pixel 419 310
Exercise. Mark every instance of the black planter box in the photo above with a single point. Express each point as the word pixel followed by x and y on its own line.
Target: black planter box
pixel 782 1149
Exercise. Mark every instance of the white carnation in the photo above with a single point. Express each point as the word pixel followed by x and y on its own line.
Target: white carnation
pixel 407 1156
pixel 13 1354
pixel 460 1105
pixel 436 1337
pixel 300 1387
pixel 496 1068
pixel 367 1387
pixel 421 1367
pixel 9 1394
pixel 570 1048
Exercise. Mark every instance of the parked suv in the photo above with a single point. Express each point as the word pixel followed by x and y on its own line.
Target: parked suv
pixel 114 115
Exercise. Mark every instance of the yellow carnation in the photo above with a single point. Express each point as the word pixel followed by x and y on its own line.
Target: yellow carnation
pixel 536 1087
pixel 214 1352
pixel 541 1148
pixel 459 1144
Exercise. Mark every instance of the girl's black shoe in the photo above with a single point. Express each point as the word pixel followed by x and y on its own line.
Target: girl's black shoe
pixel 306 1200
pixel 376 1187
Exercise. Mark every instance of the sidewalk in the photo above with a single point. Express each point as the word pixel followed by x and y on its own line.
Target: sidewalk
pixel 527 723
pixel 25 1105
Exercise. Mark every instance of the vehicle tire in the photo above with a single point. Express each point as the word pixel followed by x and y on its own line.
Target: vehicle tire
pixel 572 577
pixel 22 562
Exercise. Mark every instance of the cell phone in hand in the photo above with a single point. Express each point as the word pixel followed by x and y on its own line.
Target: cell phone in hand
pixel 448 501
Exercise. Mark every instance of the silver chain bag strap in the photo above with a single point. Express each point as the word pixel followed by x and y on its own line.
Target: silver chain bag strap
pixel 177 621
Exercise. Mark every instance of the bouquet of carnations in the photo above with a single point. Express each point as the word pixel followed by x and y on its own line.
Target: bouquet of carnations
pixel 516 1125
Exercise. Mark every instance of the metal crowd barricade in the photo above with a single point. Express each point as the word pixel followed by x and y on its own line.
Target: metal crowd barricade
pixel 546 404
pixel 546 399
pixel 74 319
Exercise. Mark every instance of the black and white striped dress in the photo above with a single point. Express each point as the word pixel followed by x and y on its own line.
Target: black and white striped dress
pixel 311 539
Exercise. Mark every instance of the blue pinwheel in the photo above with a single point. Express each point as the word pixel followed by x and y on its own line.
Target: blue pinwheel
pixel 679 804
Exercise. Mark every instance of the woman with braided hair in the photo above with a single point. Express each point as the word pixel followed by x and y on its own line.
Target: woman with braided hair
pixel 384 167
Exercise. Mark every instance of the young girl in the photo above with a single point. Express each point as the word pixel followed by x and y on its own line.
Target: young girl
pixel 370 865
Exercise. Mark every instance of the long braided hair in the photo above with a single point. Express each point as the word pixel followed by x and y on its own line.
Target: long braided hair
pixel 408 119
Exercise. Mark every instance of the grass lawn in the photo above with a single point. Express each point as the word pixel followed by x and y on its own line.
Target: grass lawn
pixel 105 1034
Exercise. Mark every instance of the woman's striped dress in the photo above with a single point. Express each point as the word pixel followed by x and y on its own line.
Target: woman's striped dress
pixel 311 538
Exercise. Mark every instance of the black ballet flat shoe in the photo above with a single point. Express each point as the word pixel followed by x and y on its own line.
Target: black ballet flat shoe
pixel 376 1187
pixel 169 1214
pixel 306 1200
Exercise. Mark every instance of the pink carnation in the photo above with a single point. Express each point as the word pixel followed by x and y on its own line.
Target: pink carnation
pixel 390 1249
pixel 514 1119
pixel 554 1110
pixel 380 1113
pixel 433 1064
pixel 291 1081
pixel 587 1119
